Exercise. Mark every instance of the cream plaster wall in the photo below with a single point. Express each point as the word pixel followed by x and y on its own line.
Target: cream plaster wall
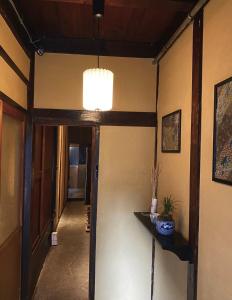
pixel 215 239
pixel 175 90
pixel 170 282
pixel 123 253
pixel 58 81
pixel 13 48
pixel 12 85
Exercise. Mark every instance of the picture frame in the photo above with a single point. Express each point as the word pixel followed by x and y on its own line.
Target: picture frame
pixel 222 135
pixel 171 132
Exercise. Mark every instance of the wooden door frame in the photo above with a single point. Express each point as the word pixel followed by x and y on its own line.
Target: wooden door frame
pixel 88 174
pixel 94 184
pixel 56 117
pixel 93 202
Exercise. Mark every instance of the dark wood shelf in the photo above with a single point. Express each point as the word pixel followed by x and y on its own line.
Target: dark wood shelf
pixel 175 243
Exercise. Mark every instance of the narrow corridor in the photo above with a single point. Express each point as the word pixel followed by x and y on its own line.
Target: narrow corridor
pixel 65 273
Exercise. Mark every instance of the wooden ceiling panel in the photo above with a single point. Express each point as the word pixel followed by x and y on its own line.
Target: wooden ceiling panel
pixel 145 23
pixel 49 14
pixel 76 21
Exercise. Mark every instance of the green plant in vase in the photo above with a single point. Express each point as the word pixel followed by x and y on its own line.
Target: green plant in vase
pixel 165 223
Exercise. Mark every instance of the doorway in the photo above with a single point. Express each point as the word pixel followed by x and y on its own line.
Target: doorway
pixel 74 217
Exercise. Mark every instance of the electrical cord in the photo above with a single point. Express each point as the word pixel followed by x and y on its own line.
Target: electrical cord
pixel 39 50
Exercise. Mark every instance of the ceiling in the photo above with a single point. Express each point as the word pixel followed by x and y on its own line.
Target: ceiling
pixel 137 28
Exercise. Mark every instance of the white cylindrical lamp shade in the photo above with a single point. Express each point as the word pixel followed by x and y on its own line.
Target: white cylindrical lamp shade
pixel 98 89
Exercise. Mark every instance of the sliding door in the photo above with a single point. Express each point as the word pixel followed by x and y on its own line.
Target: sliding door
pixel 42 187
pixel 43 197
pixel 11 194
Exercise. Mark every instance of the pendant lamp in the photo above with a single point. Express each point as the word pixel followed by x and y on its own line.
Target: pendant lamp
pixel 98 87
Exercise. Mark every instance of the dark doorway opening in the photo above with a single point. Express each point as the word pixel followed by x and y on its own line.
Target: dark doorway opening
pixel 74 145
pixel 80 142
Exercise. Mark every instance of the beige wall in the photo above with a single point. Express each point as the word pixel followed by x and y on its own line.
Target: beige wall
pixel 123 254
pixel 175 92
pixel 10 83
pixel 58 81
pixel 175 89
pixel 170 281
pixel 215 240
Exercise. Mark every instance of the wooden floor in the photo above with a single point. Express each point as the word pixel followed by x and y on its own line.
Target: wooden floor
pixel 65 272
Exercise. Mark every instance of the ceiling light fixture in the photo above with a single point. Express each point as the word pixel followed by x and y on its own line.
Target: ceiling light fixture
pixel 98 8
pixel 98 82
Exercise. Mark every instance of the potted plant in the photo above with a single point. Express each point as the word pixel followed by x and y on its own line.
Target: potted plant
pixel 165 223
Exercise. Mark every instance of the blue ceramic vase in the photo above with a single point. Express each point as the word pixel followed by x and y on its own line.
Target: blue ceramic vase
pixel 165 227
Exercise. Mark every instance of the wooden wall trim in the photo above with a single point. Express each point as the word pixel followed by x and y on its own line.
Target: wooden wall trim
pixel 30 92
pixel 14 112
pixel 13 66
pixel 195 151
pixel 155 164
pixel 11 102
pixel 92 118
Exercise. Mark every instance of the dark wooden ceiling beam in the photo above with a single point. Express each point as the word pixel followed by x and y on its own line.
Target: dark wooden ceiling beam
pixel 99 47
pixel 90 118
pixel 181 5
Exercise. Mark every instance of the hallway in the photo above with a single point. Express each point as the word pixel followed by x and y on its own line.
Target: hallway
pixel 65 271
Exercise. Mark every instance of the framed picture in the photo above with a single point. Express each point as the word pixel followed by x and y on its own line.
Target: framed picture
pixel 222 141
pixel 171 132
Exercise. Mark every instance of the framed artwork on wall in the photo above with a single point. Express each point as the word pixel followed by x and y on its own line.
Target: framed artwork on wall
pixel 171 132
pixel 222 141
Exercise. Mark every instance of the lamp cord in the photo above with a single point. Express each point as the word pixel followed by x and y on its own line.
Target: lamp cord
pixel 98 37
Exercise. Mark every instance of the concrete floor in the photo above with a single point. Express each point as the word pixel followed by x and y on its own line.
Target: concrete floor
pixel 65 273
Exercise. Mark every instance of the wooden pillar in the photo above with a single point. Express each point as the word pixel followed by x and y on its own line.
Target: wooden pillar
pixel 26 247
pixel 195 152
